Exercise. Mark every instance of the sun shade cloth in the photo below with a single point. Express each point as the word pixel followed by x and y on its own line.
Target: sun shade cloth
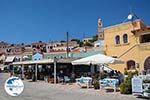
pixel 97 59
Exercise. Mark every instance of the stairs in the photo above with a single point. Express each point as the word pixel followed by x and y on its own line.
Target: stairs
pixel 127 50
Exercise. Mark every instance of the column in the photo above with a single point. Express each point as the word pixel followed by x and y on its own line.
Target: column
pixel 55 70
pixel 22 72
pixel 36 66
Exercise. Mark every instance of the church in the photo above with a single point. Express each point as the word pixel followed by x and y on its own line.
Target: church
pixel 128 41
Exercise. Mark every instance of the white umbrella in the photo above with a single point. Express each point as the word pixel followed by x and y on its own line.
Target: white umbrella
pixel 97 59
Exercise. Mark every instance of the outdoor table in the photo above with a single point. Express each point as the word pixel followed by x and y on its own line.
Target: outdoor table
pixel 109 82
pixel 86 81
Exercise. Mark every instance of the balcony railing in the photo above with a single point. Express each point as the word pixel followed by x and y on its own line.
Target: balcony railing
pixel 144 46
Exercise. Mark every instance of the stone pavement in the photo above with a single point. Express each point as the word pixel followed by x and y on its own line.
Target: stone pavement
pixel 45 91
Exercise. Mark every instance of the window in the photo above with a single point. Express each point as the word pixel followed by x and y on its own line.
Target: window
pixel 125 38
pixel 130 64
pixel 145 38
pixel 117 39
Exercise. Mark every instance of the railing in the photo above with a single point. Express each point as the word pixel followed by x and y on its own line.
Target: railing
pixel 127 50
pixel 144 46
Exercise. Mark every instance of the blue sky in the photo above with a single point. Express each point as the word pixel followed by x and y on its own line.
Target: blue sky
pixel 33 20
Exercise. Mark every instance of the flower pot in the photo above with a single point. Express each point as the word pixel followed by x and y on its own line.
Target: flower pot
pixel 96 87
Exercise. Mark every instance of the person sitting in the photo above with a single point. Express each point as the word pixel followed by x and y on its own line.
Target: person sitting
pixel 61 76
pixel 72 77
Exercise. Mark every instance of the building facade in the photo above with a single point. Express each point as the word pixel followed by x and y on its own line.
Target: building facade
pixel 3 46
pixel 61 46
pixel 39 46
pixel 129 41
pixel 37 56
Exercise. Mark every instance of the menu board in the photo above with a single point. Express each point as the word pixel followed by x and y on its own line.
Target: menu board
pixel 137 85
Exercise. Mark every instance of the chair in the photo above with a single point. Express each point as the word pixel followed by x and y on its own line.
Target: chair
pixel 66 79
pixel 60 80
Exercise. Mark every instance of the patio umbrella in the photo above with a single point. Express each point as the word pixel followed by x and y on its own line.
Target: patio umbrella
pixel 97 59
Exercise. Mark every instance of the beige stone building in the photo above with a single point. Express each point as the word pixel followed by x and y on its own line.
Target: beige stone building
pixel 129 41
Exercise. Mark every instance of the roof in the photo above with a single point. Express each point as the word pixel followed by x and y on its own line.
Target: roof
pixel 67 60
pixel 141 30
pixel 99 41
pixel 112 26
pixel 78 54
pixel 44 61
pixel 10 58
pixel 85 54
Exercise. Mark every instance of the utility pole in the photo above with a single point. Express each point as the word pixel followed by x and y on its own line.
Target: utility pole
pixel 67 44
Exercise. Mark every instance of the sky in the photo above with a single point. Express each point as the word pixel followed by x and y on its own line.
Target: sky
pixel 27 21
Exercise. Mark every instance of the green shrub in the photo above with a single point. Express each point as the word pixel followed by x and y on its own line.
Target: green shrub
pixel 125 72
pixel 96 84
pixel 15 70
pixel 148 90
pixel 5 70
pixel 126 86
pixel 135 73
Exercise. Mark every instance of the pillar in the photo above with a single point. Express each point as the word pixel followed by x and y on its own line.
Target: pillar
pixel 36 66
pixel 55 70
pixel 22 72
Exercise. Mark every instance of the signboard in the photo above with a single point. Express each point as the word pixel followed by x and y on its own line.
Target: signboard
pixel 137 85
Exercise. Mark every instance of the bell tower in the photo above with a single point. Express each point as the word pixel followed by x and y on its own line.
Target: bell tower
pixel 100 29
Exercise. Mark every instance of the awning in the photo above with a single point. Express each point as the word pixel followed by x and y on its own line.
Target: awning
pixel 107 68
pixel 97 59
pixel 44 61
pixel 2 67
pixel 10 58
pixel 25 57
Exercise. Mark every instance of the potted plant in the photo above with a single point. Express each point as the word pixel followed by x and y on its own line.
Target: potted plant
pixel 147 93
pixel 126 86
pixel 96 84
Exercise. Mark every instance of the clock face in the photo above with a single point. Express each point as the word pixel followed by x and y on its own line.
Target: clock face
pixel 130 17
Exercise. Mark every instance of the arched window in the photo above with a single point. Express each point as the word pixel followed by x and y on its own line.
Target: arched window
pixel 125 38
pixel 130 64
pixel 117 39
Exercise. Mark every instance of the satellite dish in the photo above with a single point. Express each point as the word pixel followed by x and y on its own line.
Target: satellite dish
pixel 130 16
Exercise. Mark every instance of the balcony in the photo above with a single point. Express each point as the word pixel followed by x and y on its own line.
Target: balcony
pixel 144 46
